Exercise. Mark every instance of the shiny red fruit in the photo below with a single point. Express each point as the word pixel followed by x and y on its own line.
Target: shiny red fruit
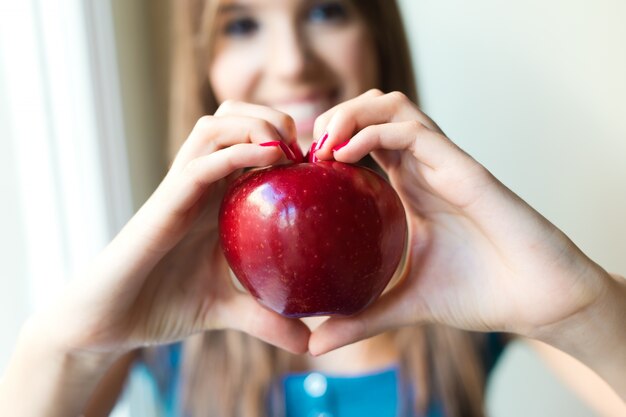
pixel 312 239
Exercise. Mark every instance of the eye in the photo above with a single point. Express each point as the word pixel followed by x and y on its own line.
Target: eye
pixel 328 12
pixel 241 27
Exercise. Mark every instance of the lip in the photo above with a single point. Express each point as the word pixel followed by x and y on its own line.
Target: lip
pixel 302 98
pixel 305 109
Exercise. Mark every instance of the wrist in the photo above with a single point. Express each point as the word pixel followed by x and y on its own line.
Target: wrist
pixel 595 335
pixel 56 379
pixel 41 337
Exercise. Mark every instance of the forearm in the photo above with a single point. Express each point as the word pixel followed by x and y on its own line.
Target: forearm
pixel 43 378
pixel 597 335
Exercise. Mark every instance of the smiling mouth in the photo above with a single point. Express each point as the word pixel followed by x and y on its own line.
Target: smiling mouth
pixel 305 111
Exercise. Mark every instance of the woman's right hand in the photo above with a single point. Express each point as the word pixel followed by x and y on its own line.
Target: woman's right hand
pixel 164 277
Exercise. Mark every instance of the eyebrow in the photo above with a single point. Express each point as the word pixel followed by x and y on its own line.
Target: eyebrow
pixel 232 7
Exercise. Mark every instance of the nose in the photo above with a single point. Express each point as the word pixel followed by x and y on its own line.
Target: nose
pixel 289 53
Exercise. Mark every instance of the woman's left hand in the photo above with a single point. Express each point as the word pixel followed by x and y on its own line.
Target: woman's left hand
pixel 479 257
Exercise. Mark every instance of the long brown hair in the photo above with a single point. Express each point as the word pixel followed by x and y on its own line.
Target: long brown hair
pixel 227 373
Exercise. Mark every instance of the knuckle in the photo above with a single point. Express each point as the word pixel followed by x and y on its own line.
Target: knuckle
pixel 370 131
pixel 375 92
pixel 416 125
pixel 286 120
pixel 204 123
pixel 476 178
pixel 233 163
pixel 343 114
pixel 226 107
pixel 191 173
pixel 263 125
pixel 232 156
pixel 398 98
pixel 480 174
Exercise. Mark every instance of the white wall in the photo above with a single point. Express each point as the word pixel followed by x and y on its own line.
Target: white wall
pixel 13 285
pixel 535 90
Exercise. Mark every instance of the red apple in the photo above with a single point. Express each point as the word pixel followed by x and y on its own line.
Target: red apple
pixel 311 239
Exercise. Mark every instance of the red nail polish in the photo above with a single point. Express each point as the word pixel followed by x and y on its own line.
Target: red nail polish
pixel 295 148
pixel 321 142
pixel 272 143
pixel 310 154
pixel 341 145
pixel 286 150
pixel 316 146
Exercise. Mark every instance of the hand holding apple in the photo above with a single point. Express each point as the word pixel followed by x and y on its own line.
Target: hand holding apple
pixel 479 257
pixel 164 278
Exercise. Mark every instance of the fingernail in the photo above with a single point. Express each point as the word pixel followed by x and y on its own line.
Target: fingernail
pixel 295 148
pixel 286 150
pixel 272 143
pixel 341 145
pixel 316 146
pixel 311 155
pixel 321 141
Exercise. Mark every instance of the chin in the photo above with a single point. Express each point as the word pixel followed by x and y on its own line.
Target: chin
pixel 304 141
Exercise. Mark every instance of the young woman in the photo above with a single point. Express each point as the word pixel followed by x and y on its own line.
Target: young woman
pixel 252 72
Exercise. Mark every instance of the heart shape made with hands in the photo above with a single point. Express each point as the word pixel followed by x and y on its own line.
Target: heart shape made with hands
pixel 313 238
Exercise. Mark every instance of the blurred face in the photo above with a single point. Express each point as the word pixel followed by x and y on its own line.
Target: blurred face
pixel 298 56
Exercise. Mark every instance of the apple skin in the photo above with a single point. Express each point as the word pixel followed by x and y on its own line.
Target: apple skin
pixel 311 239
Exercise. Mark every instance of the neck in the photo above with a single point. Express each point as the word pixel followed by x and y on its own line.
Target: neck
pixel 366 356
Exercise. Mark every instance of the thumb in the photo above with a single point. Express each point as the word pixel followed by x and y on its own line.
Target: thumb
pixel 262 323
pixel 392 310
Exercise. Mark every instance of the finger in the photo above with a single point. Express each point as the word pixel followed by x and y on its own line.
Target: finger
pixel 392 310
pixel 322 120
pixel 346 119
pixel 256 320
pixel 214 133
pixel 430 148
pixel 170 211
pixel 201 172
pixel 440 163
pixel 289 154
pixel 282 122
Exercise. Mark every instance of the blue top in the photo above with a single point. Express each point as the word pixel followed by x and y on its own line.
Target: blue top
pixel 322 395
pixel 382 393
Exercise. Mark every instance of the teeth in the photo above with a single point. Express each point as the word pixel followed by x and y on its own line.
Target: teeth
pixel 303 111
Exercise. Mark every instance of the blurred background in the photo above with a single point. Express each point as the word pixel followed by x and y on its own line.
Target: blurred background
pixel 535 90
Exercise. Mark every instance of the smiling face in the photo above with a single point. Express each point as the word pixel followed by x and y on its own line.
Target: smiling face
pixel 298 56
